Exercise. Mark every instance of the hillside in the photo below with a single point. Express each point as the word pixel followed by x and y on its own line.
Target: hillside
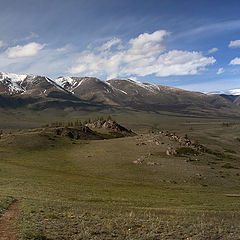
pixel 39 92
pixel 177 181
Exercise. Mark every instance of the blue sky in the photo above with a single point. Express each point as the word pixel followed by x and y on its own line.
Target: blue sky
pixel 189 44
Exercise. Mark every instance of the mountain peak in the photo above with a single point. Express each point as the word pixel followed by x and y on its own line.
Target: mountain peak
pixel 15 84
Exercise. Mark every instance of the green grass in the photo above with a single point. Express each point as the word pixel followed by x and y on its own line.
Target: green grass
pixel 93 190
pixel 182 151
pixel 5 202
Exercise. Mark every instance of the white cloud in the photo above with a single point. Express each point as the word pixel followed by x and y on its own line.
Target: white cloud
pixel 28 50
pixel 220 71
pixel 63 49
pixel 213 50
pixel 235 43
pixel 106 46
pixel 141 56
pixel 2 43
pixel 48 62
pixel 235 61
pixel 148 43
pixel 182 63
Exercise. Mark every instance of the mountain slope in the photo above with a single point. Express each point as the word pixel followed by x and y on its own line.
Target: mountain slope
pixel 232 95
pixel 14 84
pixel 79 92
pixel 91 89
pixel 31 86
pixel 162 97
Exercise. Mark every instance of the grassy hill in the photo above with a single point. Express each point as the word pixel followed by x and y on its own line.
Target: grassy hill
pixel 94 189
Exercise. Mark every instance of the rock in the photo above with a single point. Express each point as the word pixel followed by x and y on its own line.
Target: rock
pixel 84 133
pixel 138 161
pixel 112 126
pixel 170 152
pixel 152 163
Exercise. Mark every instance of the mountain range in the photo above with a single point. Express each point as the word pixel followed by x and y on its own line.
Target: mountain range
pixel 40 92
pixel 232 95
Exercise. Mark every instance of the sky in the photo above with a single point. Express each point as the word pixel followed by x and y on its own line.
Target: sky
pixel 190 44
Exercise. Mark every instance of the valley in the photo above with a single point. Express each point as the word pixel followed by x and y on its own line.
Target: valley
pixel 119 120
pixel 153 185
pixel 82 158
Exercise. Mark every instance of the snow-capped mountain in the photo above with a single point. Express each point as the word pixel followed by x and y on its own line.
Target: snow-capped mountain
pixel 11 83
pixel 123 93
pixel 15 84
pixel 135 94
pixel 232 95
pixel 92 89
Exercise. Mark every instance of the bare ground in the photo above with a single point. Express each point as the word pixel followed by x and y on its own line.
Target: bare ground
pixel 7 221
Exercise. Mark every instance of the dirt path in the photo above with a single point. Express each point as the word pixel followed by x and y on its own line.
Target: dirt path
pixel 7 231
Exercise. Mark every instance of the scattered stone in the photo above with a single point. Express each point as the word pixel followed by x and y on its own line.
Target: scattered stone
pixel 152 163
pixel 139 144
pixel 184 141
pixel 170 152
pixel 138 161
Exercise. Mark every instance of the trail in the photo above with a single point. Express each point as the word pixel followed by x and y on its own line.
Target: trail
pixel 7 220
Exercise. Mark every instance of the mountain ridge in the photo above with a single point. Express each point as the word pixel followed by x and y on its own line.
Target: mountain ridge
pixel 123 93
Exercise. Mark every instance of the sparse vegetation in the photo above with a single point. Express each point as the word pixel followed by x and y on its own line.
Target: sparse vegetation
pixel 5 202
pixel 93 190
pixel 182 151
pixel 228 166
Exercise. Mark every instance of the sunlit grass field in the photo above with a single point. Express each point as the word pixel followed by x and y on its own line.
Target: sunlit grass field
pixel 91 189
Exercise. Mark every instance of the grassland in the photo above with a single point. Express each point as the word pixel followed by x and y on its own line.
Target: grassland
pixel 91 189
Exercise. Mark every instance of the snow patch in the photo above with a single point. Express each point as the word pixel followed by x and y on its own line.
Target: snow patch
pixel 13 81
pixel 147 86
pixel 122 91
pixel 62 81
pixel 14 77
pixel 73 83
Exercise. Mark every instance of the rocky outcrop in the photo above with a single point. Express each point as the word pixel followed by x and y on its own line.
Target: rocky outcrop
pixel 183 141
pixel 84 133
pixel 112 126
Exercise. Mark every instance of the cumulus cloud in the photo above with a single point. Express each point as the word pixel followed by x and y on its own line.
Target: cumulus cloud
pixel 235 43
pixel 28 50
pixel 213 50
pixel 140 56
pixel 235 61
pixel 220 71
